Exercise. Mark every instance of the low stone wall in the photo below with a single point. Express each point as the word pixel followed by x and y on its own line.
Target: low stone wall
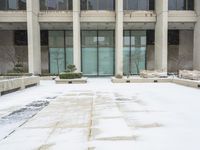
pixel 71 81
pixel 185 82
pixel 141 80
pixel 17 83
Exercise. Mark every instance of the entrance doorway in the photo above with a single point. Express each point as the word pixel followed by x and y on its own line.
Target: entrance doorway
pixel 134 52
pixel 98 53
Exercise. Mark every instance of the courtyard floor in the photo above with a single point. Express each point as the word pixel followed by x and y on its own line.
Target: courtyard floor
pixel 101 115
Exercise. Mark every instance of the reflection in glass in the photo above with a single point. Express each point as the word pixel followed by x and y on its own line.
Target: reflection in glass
pixel 138 4
pixel 69 47
pixel 56 50
pixel 2 4
pixel 97 4
pixel 12 5
pixel 98 53
pixel 89 52
pixel 181 4
pixel 135 53
pixel 106 52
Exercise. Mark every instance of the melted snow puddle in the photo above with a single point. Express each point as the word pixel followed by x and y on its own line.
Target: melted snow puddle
pixel 9 123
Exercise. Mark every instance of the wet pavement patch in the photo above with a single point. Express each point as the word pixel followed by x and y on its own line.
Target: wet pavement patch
pixel 24 113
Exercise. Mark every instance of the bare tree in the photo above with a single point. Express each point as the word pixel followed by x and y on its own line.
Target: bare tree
pixel 58 57
pixel 137 57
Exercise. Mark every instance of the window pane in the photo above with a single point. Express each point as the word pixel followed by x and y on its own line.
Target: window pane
pixel 20 37
pixel 2 4
pixel 190 4
pixel 111 5
pixel 56 39
pixel 12 5
pixel 172 4
pixel 22 4
pixel 70 4
pixel 151 4
pixel 43 4
pixel 143 5
pixel 180 5
pixel 83 4
pixel 69 47
pixel 92 4
pixel 62 4
pixel 125 4
pixel 106 52
pixel 89 52
pixel 132 4
pixel 103 4
pixel 52 5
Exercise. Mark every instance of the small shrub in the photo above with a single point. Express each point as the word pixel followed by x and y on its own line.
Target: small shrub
pixel 70 75
pixel 118 76
pixel 71 68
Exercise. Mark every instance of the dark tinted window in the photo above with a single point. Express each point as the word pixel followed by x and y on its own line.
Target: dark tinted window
pixel 181 4
pixel 20 37
pixel 150 37
pixel 55 4
pixel 22 4
pixel 2 4
pixel 12 4
pixel 97 4
pixel 173 37
pixel 139 4
pixel 44 37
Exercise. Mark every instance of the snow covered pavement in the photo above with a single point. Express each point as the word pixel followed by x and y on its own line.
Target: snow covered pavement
pixel 102 116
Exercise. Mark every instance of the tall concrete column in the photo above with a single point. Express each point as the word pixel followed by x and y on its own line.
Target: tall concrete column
pixel 33 29
pixel 76 35
pixel 196 51
pixel 161 38
pixel 119 38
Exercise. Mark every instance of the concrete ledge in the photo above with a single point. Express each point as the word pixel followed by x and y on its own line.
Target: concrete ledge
pixel 47 77
pixel 71 81
pixel 17 83
pixel 184 82
pixel 141 80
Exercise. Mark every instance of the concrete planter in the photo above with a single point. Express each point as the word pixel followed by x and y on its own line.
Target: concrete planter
pixel 140 80
pixel 17 83
pixel 185 82
pixel 71 81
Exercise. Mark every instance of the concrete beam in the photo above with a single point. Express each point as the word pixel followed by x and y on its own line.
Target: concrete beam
pixel 161 38
pixel 119 38
pixel 76 35
pixel 33 28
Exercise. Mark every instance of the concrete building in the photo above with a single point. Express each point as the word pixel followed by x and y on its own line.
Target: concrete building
pixel 101 37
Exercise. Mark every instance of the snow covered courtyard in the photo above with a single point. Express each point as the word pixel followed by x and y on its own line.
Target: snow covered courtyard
pixel 101 115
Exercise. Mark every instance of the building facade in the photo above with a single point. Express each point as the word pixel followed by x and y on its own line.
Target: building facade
pixel 101 37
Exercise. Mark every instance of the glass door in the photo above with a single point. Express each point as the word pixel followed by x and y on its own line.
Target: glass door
pixel 134 51
pixel 56 51
pixel 98 53
pixel 89 53
pixel 105 53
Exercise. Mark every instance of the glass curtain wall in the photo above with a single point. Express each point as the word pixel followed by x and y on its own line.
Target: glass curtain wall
pixel 12 4
pixel 98 53
pixel 139 4
pixel 55 4
pixel 60 50
pixel 181 4
pixel 97 4
pixel 134 52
